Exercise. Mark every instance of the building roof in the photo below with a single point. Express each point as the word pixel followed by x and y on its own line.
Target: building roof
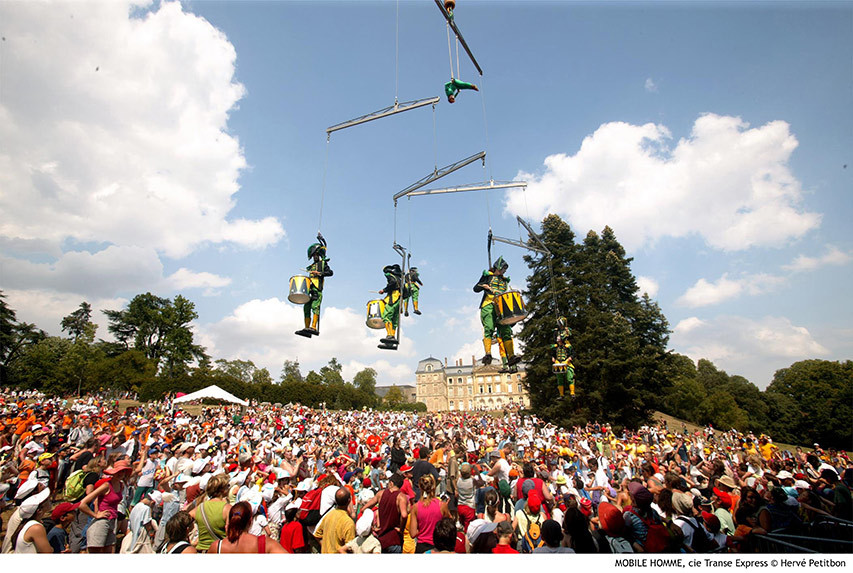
pixel 406 389
pixel 434 362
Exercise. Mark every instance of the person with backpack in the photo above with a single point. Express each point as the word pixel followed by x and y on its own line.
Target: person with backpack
pixel 552 535
pixel 696 538
pixel 645 529
pixel 529 524
pixel 610 535
pixel 78 485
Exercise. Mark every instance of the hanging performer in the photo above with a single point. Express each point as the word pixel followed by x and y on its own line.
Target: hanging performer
pixel 391 314
pixel 413 282
pixel 318 270
pixel 562 360
pixel 453 87
pixel 492 283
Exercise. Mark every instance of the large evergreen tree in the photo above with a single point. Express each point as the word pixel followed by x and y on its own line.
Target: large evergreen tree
pixel 619 339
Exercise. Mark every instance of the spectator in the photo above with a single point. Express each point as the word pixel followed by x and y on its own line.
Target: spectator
pixel 178 530
pixel 552 536
pixel 425 515
pixel 62 516
pixel 337 528
pixel 239 540
pixel 364 541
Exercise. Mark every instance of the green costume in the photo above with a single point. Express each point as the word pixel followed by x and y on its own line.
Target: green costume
pixel 451 88
pixel 563 367
pixel 413 282
pixel 318 270
pixel 491 283
pixel 392 292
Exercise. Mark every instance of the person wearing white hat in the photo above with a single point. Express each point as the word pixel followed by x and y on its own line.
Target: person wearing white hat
pixel 142 527
pixel 30 536
pixel 364 541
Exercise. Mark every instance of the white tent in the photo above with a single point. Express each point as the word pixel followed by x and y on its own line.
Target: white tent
pixel 214 392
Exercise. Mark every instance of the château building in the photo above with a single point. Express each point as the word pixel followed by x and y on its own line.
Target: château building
pixel 468 386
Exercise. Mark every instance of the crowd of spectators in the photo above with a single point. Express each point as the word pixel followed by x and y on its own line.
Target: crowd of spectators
pixel 81 476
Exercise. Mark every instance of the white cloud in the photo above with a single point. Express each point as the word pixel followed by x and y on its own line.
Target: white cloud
pixel 102 274
pixel 651 86
pixel 704 293
pixel 262 331
pixel 833 256
pixel 751 348
pixel 726 182
pixel 648 285
pixel 46 309
pixel 688 324
pixel 184 278
pixel 114 129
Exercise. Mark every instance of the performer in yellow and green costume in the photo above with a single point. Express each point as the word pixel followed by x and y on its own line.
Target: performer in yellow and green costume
pixel 494 282
pixel 318 270
pixel 391 314
pixel 562 360
pixel 413 282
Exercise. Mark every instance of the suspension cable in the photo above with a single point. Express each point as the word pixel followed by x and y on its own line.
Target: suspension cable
pixel 458 73
pixel 323 189
pixel 485 122
pixel 397 56
pixel 449 51
pixel 434 141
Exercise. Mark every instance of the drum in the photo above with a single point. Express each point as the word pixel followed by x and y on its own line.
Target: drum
pixel 510 307
pixel 299 290
pixel 375 308
pixel 559 367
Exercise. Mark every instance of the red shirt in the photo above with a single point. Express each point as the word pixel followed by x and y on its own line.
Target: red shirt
pixel 352 446
pixel 503 549
pixel 291 537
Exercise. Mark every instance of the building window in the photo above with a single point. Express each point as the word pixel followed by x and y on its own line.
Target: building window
pixel 470 379
pixel 490 388
pixel 488 379
pixel 498 388
pixel 520 389
pixel 451 404
pixel 481 388
pixel 450 380
pixel 469 390
pixel 429 368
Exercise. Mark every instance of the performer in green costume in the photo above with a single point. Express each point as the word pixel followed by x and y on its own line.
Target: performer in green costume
pixel 318 270
pixel 413 281
pixel 562 360
pixel 492 283
pixel 452 88
pixel 391 314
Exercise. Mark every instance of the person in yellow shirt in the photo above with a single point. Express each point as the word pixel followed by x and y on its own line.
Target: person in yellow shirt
pixel 337 528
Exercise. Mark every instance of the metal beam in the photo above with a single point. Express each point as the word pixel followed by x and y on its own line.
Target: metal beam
pixel 473 187
pixel 521 244
pixel 533 233
pixel 459 37
pixel 385 112
pixel 439 173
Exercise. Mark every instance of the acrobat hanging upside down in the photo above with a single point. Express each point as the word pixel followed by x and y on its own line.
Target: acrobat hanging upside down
pixel 562 364
pixel 393 291
pixel 453 87
pixel 413 282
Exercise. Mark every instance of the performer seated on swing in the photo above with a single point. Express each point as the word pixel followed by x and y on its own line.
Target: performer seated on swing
pixel 492 283
pixel 318 270
pixel 562 360
pixel 452 88
pixel 391 314
pixel 413 281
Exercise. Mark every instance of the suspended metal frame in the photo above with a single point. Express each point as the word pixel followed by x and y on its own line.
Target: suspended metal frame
pixel 438 174
pixel 486 186
pixel 385 112
pixel 459 37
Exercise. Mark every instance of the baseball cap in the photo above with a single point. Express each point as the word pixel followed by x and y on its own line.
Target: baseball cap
pixel 62 509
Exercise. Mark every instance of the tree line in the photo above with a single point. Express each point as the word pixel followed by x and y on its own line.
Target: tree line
pixel 154 353
pixel 624 372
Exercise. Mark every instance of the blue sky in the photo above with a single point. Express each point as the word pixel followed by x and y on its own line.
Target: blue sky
pixel 180 148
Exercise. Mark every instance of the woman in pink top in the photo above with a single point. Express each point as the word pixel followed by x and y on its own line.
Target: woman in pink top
pixel 426 513
pixel 101 536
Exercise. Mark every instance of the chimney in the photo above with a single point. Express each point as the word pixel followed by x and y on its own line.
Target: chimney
pixel 445 361
pixel 473 360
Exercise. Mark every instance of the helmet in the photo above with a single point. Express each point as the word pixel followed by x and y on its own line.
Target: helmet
pixel 501 264
pixel 393 270
pixel 562 322
pixel 316 248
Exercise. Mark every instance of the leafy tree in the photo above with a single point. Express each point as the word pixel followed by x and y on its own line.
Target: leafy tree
pixel 619 339
pixel 79 322
pixel 394 397
pixel 38 367
pixel 823 392
pixel 290 371
pixel 331 373
pixel 261 376
pixel 721 409
pixel 314 378
pixel 160 328
pixel 15 337
pixel 365 381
